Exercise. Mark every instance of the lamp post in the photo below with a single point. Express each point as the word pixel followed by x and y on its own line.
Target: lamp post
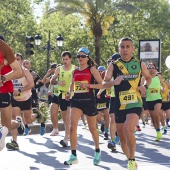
pixel 48 47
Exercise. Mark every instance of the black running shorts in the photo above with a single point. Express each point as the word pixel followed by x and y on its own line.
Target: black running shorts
pixel 23 105
pixel 55 100
pixel 88 108
pixel 151 104
pixel 63 103
pixel 120 115
pixel 112 105
pixel 5 99
pixel 165 106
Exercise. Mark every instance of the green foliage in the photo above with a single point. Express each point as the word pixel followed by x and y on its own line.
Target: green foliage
pixel 138 19
pixel 43 111
pixel 17 21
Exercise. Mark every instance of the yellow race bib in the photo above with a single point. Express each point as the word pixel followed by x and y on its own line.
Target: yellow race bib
pixel 101 105
pixel 19 96
pixel 44 97
pixel 78 89
pixel 64 95
pixel 108 92
pixel 55 90
pixel 128 97
pixel 153 91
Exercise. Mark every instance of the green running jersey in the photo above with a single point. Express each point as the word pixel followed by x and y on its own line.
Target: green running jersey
pixel 154 90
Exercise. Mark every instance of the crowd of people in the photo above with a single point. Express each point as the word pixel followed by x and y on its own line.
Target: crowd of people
pixel 112 99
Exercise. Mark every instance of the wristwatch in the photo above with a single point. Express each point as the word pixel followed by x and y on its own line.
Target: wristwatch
pixel 19 90
pixel 3 79
pixel 146 86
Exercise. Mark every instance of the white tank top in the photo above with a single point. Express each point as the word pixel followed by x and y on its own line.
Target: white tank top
pixel 19 84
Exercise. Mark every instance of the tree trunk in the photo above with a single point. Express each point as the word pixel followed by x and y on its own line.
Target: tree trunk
pixel 97 49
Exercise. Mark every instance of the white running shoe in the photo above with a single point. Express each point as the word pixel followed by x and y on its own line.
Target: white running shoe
pixel 3 134
pixel 54 132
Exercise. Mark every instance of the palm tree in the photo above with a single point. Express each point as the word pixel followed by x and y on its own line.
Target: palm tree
pixel 97 13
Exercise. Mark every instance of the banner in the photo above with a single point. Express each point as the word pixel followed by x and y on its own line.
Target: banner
pixel 149 52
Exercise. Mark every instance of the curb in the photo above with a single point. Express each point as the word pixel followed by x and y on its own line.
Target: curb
pixel 35 127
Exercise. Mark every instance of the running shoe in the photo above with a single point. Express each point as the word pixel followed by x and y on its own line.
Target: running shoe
pixel 97 158
pixel 54 132
pixel 132 165
pixel 106 136
pixel 159 136
pixel 21 127
pixel 3 134
pixel 27 131
pixel 42 130
pixel 72 160
pixel 102 128
pixel 146 121
pixel 117 140
pixel 138 128
pixel 64 143
pixel 12 146
pixel 111 145
pixel 164 132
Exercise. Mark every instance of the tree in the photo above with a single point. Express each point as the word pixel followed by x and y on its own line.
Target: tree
pixel 97 14
pixel 17 21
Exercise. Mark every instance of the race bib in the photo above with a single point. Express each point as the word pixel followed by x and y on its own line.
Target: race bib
pixel 101 105
pixel 55 90
pixel 78 89
pixel 153 91
pixel 19 96
pixel 108 92
pixel 128 97
pixel 43 97
pixel 64 95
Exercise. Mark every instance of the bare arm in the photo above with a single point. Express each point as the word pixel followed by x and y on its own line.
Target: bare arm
pixel 46 78
pixel 146 79
pixel 107 82
pixel 146 74
pixel 30 80
pixel 97 77
pixel 16 72
pixel 54 77
pixel 161 80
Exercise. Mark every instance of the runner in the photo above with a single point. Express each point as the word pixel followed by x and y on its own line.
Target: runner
pixel 126 72
pixel 53 92
pixel 9 69
pixel 35 104
pixel 102 102
pixel 21 101
pixel 62 77
pixel 154 98
pixel 113 133
pixel 83 102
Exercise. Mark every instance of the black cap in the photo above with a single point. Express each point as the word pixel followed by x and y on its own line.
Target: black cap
pixel 2 38
pixel 116 56
pixel 53 65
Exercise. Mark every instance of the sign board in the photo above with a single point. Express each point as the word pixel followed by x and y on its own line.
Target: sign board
pixel 149 52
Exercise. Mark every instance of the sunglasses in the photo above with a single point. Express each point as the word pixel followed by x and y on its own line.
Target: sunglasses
pixel 151 67
pixel 82 56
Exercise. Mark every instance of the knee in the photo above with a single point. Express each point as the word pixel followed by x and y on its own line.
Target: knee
pixel 28 121
pixel 112 121
pixel 93 130
pixel 73 128
pixel 8 125
pixel 129 132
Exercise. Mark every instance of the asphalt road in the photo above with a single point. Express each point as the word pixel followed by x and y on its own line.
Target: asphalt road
pixel 45 153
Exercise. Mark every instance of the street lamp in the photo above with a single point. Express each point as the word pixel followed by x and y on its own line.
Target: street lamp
pixel 48 47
